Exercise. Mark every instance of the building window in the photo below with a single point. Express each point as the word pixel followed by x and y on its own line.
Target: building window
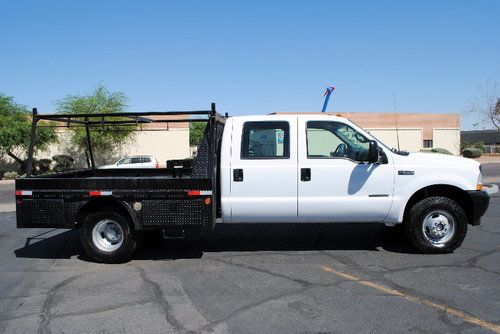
pixel 427 143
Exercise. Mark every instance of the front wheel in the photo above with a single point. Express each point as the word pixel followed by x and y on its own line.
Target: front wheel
pixel 107 237
pixel 436 225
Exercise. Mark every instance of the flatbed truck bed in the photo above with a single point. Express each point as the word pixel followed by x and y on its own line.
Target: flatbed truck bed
pixel 167 199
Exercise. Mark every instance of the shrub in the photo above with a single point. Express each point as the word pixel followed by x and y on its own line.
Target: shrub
pixel 441 150
pixel 43 165
pixel 479 145
pixel 464 144
pixel 10 175
pixel 63 162
pixel 471 152
pixel 436 150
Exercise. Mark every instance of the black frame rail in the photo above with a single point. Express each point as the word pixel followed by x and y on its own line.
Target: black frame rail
pixel 90 120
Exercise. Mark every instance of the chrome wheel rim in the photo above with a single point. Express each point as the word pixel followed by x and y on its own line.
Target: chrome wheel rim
pixel 107 235
pixel 438 228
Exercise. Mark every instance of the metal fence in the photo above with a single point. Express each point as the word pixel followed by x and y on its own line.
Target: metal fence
pixel 492 149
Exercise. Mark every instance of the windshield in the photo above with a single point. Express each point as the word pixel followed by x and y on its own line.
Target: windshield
pixel 123 161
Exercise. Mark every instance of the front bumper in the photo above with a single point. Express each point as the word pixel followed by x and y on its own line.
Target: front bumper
pixel 480 202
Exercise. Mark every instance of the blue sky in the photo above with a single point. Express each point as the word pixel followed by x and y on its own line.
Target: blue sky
pixel 253 56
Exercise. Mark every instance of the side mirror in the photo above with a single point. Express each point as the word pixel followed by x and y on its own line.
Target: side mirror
pixel 373 152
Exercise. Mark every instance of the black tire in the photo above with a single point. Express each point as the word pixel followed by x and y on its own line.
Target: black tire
pixel 121 251
pixel 432 209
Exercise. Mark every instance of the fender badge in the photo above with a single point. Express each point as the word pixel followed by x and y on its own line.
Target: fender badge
pixel 406 172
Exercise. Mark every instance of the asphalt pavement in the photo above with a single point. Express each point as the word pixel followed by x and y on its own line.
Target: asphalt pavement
pixel 265 278
pixel 491 172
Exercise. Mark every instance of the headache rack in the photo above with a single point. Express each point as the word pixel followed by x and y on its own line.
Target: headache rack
pixel 206 159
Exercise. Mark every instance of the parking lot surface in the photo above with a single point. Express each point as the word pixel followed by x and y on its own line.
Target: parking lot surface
pixel 265 278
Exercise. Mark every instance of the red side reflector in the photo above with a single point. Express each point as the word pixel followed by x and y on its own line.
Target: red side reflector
pixel 193 193
pixel 100 193
pixel 24 192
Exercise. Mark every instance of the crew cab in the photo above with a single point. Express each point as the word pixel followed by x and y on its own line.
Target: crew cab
pixel 280 168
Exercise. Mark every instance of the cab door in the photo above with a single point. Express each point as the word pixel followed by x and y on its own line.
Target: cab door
pixel 264 170
pixel 336 183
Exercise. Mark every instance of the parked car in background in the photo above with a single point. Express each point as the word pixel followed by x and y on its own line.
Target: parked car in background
pixel 135 161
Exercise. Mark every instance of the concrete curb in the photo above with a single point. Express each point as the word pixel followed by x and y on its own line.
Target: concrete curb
pixel 7 207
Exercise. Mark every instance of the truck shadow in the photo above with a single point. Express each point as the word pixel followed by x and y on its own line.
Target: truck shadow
pixel 235 238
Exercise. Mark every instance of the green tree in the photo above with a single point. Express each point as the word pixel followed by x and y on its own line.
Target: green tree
pixel 106 139
pixel 196 130
pixel 15 129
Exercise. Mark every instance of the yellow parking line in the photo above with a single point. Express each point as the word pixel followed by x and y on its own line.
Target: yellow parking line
pixel 393 292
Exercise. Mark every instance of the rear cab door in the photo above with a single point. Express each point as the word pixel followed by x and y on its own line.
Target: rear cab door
pixel 263 169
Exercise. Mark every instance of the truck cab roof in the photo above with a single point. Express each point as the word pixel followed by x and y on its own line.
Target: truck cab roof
pixel 281 116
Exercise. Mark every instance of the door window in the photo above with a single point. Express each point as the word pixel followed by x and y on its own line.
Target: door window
pixel 124 161
pixel 265 140
pixel 136 160
pixel 330 140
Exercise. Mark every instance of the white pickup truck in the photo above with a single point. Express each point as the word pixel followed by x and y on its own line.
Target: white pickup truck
pixel 275 168
pixel 322 168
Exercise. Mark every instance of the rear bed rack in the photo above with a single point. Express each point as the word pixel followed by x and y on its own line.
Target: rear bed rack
pixel 90 120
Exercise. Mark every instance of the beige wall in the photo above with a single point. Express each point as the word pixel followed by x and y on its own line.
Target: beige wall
pixel 448 138
pixel 427 122
pixel 163 145
pixel 63 146
pixel 410 139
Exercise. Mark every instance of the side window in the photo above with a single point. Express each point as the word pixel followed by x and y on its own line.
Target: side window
pixel 321 143
pixel 136 160
pixel 124 161
pixel 145 160
pixel 327 140
pixel 265 140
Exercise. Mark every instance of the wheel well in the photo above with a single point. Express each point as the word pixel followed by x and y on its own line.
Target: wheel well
pixel 107 204
pixel 443 190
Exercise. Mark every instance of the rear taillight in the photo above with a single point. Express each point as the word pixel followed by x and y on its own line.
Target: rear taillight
pixel 157 165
